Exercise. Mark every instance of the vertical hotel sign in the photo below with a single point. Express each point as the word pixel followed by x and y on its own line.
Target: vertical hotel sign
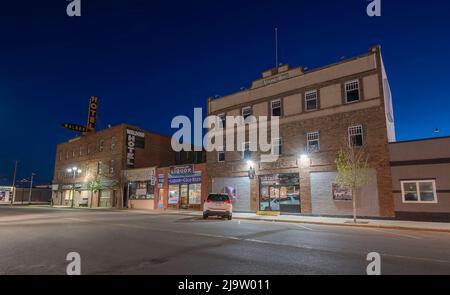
pixel 92 116
pixel 135 140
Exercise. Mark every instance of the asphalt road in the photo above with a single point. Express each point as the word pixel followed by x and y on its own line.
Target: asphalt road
pixel 37 240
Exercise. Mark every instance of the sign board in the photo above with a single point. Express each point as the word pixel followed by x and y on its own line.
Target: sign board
pixel 341 193
pixel 135 139
pixel 276 79
pixel 145 174
pixel 182 170
pixel 92 115
pixel 74 127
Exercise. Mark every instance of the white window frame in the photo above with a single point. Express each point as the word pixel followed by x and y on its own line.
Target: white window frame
pixel 218 156
pixel 101 145
pixel 113 143
pixel 310 137
pixel 278 101
pixel 244 109
pixel 309 99
pixel 244 149
pixel 352 133
pixel 277 141
pixel 223 120
pixel 417 182
pixel 347 90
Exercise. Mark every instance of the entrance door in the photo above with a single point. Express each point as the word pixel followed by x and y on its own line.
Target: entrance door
pixel 274 198
pixel 161 198
pixel 184 197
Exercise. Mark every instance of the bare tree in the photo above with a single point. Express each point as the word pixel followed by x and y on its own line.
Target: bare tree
pixel 352 169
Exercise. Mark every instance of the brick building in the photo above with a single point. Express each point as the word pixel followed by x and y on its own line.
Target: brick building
pixel 320 111
pixel 88 169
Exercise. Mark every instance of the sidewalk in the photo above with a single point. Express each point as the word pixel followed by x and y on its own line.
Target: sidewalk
pixel 371 223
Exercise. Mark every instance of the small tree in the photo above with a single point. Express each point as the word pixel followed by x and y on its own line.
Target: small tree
pixel 94 186
pixel 352 170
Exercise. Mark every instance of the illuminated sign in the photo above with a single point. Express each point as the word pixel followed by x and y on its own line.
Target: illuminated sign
pixel 92 116
pixel 135 139
pixel 74 127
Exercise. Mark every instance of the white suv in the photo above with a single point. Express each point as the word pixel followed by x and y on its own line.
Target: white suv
pixel 218 205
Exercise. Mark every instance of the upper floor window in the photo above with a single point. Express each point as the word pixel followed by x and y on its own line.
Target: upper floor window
pixel 355 136
pixel 73 154
pixel 221 156
pixel 177 156
pixel 276 108
pixel 101 145
pixel 112 167
pixel 80 153
pixel 88 170
pixel 246 153
pixel 100 168
pixel 89 149
pixel 419 191
pixel 113 143
pixel 352 91
pixel 313 142
pixel 311 100
pixel 246 112
pixel 277 146
pixel 67 155
pixel 223 120
pixel 60 156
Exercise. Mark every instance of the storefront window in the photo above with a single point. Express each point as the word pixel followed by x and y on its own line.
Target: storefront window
pixel 195 194
pixel 174 193
pixel 280 192
pixel 141 190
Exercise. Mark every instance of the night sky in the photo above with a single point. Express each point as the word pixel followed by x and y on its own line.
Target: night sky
pixel 149 61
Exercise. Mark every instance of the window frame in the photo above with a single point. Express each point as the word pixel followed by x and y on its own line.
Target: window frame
pixel 309 139
pixel 113 143
pixel 419 199
pixel 112 168
pixel 244 109
pixel 279 107
pixel 346 91
pixel 101 145
pixel 223 120
pixel 309 99
pixel 277 141
pixel 218 156
pixel 349 134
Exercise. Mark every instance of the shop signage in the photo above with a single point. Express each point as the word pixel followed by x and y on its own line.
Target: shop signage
pixel 92 115
pixel 74 127
pixel 182 170
pixel 135 139
pixel 196 178
pixel 145 174
pixel 280 179
pixel 161 181
pixel 341 193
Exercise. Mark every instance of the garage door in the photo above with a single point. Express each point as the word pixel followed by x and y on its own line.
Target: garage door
pixel 239 187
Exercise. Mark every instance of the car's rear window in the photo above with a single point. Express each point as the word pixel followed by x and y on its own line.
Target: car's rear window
pixel 218 198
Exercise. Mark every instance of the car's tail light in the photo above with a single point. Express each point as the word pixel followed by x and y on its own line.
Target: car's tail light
pixel 227 202
pixel 208 201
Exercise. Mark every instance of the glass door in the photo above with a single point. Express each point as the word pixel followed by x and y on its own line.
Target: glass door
pixel 184 197
pixel 274 198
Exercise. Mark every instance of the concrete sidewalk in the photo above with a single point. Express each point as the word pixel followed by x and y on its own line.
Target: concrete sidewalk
pixel 373 223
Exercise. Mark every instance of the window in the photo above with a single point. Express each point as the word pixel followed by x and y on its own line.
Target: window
pixel 277 146
pixel 67 155
pixel 81 151
pixel 313 142
pixel 101 145
pixel 355 136
pixel 89 149
pixel 99 168
pixel 111 167
pixel 221 156
pixel 352 91
pixel 177 156
pixel 113 143
pixel 73 154
pixel 246 153
pixel 246 112
pixel 276 108
pixel 88 170
pixel 419 191
pixel 223 120
pixel 60 156
pixel 311 100
pixel 188 156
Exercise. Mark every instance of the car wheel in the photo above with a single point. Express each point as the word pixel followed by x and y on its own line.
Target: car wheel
pixel 205 216
pixel 230 217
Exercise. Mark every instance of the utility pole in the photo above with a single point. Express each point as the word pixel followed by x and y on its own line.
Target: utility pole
pixel 14 182
pixel 31 188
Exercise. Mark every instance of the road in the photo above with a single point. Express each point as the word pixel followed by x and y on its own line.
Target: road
pixel 37 240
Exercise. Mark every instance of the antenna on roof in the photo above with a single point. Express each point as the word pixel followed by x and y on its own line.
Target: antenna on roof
pixel 276 48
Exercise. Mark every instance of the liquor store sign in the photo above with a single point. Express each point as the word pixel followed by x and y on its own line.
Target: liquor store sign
pixel 135 140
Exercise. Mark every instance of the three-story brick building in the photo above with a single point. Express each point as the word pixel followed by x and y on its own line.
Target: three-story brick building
pixel 320 111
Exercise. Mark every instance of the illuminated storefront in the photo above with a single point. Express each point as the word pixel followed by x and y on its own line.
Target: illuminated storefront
pixel 139 191
pixel 280 192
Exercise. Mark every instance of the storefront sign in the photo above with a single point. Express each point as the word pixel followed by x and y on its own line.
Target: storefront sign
pixel 135 139
pixel 145 174
pixel 280 179
pixel 195 178
pixel 182 170
pixel 92 115
pixel 75 127
pixel 161 181
pixel 341 193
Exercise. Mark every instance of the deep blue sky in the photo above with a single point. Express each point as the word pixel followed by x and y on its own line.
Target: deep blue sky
pixel 149 61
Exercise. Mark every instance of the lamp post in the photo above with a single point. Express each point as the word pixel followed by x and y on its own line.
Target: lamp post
pixel 31 188
pixel 14 183
pixel 74 170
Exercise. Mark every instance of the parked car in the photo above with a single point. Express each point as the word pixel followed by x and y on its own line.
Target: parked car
pixel 218 205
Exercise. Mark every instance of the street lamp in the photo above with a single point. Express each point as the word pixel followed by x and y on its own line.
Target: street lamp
pixel 31 188
pixel 74 170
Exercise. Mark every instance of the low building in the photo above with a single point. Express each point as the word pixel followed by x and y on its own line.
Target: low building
pixel 6 194
pixel 421 179
pixel 88 168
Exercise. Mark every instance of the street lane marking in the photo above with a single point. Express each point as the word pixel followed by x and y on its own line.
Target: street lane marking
pixel 395 234
pixel 305 227
pixel 417 258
